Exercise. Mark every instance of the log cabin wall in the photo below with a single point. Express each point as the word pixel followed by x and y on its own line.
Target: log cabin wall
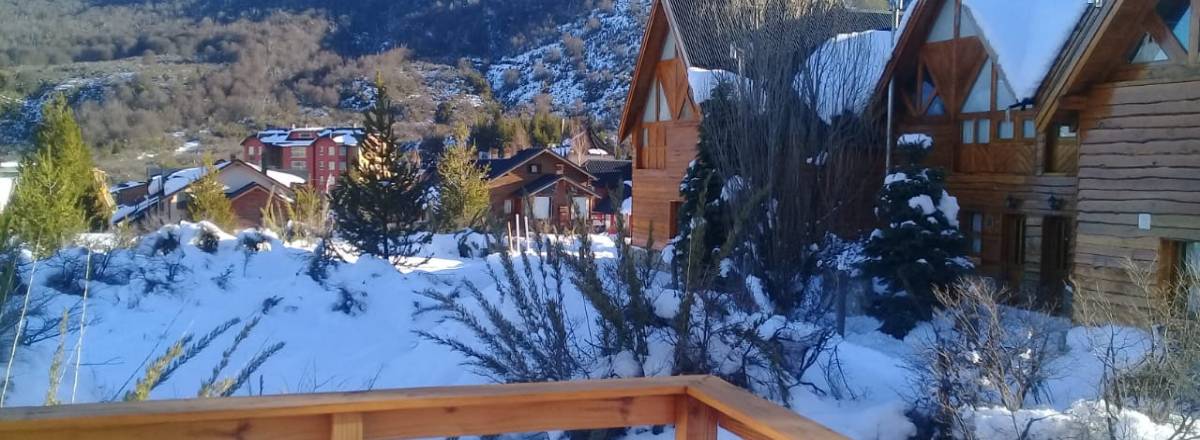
pixel 1139 159
pixel 1016 186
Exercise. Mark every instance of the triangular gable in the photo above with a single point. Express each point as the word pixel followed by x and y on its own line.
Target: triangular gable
pixel 1023 38
pixel 657 29
pixel 516 164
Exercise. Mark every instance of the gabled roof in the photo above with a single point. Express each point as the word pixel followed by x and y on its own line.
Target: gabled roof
pixel 1087 56
pixel 499 167
pixel 546 181
pixel 1023 37
pixel 707 32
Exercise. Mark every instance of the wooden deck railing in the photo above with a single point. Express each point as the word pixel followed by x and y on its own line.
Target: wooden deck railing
pixel 696 405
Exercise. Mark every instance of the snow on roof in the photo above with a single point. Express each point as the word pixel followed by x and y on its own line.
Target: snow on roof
pixel 287 179
pixel 849 67
pixel 1025 36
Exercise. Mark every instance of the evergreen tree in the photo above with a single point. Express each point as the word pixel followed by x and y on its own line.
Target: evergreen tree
pixel 57 195
pixel 462 190
pixel 379 204
pixel 703 205
pixel 919 248
pixel 209 202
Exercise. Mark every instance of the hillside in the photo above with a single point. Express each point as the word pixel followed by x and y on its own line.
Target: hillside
pixel 154 83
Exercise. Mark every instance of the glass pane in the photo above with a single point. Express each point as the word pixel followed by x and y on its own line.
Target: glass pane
pixel 968 131
pixel 668 51
pixel 651 111
pixel 967 26
pixel 1148 51
pixel 927 88
pixel 1005 98
pixel 1191 274
pixel 1006 129
pixel 1030 129
pixel 664 108
pixel 980 97
pixel 936 108
pixel 943 28
pixel 984 131
pixel 1177 14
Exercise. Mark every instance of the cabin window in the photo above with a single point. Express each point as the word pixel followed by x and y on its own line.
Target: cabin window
pixel 321 165
pixel 1029 129
pixel 582 206
pixel 299 165
pixel 983 132
pixel 1062 145
pixel 541 208
pixel 1181 261
pixel 664 107
pixel 1005 129
pixel 535 169
pixel 974 230
pixel 668 51
pixel 1177 15
pixel 1014 240
pixel 1148 51
pixel 980 97
pixel 1191 274
pixel 943 28
pixel 508 206
pixel 299 153
pixel 928 98
pixel 651 111
pixel 968 131
pixel 341 166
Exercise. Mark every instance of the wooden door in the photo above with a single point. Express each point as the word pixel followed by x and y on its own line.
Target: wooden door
pixel 1056 262
pixel 1013 250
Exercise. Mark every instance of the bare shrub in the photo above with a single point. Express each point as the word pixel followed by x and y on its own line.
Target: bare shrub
pixel 1156 373
pixel 980 353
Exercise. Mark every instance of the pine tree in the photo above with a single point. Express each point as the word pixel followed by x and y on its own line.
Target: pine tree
pixel 209 202
pixel 703 204
pixel 379 204
pixel 49 204
pixel 462 190
pixel 919 248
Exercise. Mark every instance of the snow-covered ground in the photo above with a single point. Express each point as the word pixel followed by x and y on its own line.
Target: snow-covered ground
pixel 134 320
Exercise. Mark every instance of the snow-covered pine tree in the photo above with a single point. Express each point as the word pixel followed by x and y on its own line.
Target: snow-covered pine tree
pixel 704 220
pixel 463 195
pixel 919 248
pixel 379 204
pixel 209 201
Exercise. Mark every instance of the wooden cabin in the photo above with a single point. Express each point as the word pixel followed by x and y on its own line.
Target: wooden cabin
pixel 961 79
pixel 1128 86
pixel 1069 131
pixel 686 43
pixel 540 185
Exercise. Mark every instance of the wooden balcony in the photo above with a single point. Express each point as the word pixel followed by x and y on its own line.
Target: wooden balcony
pixel 695 405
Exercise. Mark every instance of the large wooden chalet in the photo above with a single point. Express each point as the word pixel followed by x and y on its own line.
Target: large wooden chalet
pixel 681 50
pixel 1071 131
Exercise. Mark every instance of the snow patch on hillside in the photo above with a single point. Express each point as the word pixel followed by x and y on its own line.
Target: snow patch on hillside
pixel 595 81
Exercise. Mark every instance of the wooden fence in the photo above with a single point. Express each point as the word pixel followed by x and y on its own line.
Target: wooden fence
pixel 695 405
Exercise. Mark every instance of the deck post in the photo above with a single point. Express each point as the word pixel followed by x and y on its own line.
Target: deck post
pixel 346 426
pixel 694 420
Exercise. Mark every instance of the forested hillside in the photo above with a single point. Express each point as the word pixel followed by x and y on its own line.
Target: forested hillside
pixel 154 82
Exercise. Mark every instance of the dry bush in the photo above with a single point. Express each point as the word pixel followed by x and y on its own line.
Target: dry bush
pixel 1156 373
pixel 980 353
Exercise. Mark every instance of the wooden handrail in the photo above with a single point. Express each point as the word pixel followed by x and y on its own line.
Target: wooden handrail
pixel 696 405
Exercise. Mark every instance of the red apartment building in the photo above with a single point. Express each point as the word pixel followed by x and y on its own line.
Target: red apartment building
pixel 318 155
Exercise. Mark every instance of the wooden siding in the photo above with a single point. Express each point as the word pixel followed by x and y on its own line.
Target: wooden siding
pixel 1140 155
pixel 509 185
